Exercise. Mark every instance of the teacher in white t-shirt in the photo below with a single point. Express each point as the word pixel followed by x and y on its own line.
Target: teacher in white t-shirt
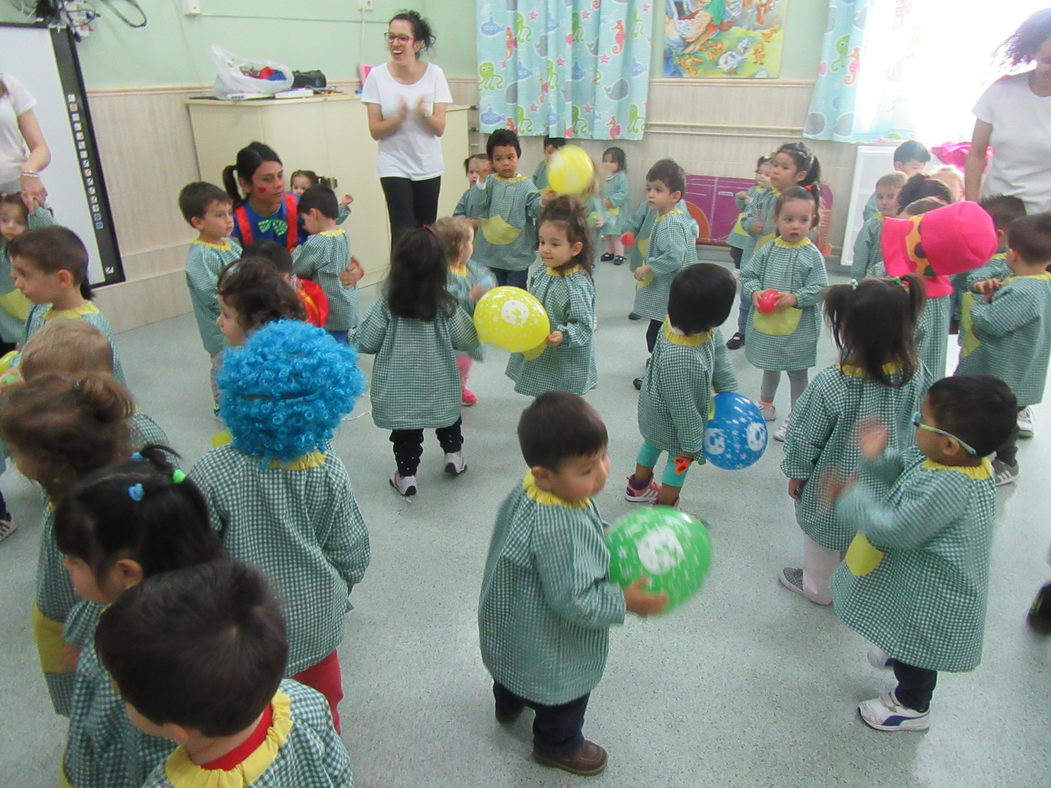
pixel 1014 116
pixel 23 149
pixel 406 100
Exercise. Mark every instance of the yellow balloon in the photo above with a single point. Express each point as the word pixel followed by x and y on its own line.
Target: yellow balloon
pixel 511 318
pixel 571 170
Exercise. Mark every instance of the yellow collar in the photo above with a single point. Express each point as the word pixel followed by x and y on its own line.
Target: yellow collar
pixel 669 213
pixel 1001 255
pixel 690 340
pixel 181 771
pixel 459 269
pixel 514 179
pixel 545 498
pixel 978 472
pixel 879 217
pixel 564 272
pixel 858 372
pixel 87 308
pixel 779 241
pixel 1045 276
pixel 314 459
pixel 333 233
pixel 224 246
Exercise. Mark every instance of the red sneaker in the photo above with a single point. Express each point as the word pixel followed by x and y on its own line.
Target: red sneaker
pixel 467 398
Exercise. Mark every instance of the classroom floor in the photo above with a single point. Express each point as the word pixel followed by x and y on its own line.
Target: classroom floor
pixel 746 685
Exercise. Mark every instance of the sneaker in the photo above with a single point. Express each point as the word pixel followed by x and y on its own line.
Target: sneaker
pixel 634 316
pixel 736 341
pixel 1004 474
pixel 767 409
pixel 880 659
pixel 637 383
pixel 618 259
pixel 454 463
pixel 792 579
pixel 606 258
pixel 7 528
pixel 886 714
pixel 467 398
pixel 782 432
pixel 1025 423
pixel 589 759
pixel 405 485
pixel 1039 616
pixel 647 494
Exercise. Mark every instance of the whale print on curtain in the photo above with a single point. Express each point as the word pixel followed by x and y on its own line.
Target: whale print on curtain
pixel 564 68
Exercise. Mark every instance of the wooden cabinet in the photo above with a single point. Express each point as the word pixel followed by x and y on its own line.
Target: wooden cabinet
pixel 330 135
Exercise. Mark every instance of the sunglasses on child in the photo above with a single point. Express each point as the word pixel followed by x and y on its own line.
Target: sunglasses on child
pixel 917 421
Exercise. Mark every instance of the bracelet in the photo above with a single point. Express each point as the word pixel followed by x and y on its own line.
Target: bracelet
pixel 30 174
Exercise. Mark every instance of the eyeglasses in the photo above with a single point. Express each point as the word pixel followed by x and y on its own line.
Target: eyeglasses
pixel 917 421
pixel 397 38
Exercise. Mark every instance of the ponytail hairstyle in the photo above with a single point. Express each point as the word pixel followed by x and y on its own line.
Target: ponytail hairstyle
pixel 143 509
pixel 62 428
pixel 873 323
pixel 258 293
pixel 919 186
pixel 805 161
pixel 415 286
pixel 567 213
pixel 798 193
pixel 453 232
pixel 421 29
pixel 52 249
pixel 249 159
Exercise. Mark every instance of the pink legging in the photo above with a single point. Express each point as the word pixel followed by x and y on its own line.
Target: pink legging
pixel 463 364
pixel 614 244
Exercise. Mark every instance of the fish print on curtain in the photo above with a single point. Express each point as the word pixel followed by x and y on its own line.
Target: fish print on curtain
pixel 564 68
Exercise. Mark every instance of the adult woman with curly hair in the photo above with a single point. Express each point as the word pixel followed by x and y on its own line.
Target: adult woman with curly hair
pixel 1014 116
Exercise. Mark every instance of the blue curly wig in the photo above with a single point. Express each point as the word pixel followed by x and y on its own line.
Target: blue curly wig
pixel 284 392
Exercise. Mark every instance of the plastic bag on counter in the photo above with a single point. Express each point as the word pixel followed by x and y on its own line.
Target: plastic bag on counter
pixel 236 75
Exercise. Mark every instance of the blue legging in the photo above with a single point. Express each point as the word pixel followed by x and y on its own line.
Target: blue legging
pixel 648 456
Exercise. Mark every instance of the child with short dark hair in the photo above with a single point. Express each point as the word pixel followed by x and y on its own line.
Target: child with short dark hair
pixel 688 365
pixel 551 144
pixel 252 292
pixel 915 579
pixel 910 157
pixel 616 199
pixel 547 603
pixel 209 210
pixel 741 242
pixel 868 252
pixel 117 527
pixel 313 298
pixel 415 329
pixel 1009 329
pixel 566 359
pixel 873 323
pixel 672 247
pixel 198 655
pixel 15 219
pixel 325 258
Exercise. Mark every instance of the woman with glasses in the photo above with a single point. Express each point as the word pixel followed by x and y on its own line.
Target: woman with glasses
pixel 406 100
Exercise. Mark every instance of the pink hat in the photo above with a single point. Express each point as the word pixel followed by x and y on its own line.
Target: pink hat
pixel 946 241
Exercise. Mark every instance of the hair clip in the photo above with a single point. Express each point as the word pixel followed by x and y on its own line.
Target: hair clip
pixel 136 492
pixel 853 284
pixel 178 476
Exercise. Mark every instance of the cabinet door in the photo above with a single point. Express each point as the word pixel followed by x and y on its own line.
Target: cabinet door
pixel 455 148
pixel 296 130
pixel 219 131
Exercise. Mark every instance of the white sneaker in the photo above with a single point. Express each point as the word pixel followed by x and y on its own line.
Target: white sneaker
pixel 792 579
pixel 6 529
pixel 1025 423
pixel 454 463
pixel 767 409
pixel 880 659
pixel 886 714
pixel 405 485
pixel 782 432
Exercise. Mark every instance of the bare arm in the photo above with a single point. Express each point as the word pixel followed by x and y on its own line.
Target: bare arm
pixel 436 120
pixel 381 127
pixel 975 165
pixel 33 192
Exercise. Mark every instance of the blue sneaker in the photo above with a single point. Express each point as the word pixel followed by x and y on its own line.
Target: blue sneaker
pixel 886 714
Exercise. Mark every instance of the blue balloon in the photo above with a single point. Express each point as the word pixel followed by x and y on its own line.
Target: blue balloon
pixel 736 435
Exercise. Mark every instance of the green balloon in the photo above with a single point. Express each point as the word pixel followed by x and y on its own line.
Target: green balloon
pixel 668 546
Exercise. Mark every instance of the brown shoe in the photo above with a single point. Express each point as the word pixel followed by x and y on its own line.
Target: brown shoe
pixel 589 759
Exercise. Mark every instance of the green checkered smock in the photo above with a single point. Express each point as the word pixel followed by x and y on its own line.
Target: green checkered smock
pixel 868 249
pixel 415 384
pixel 923 600
pixel 672 247
pixel 739 237
pixel 1014 337
pixel 462 279
pixel 761 209
pixel 569 299
pixel 540 175
pixel 796 268
pixel 821 437
pixel 301 750
pixel 299 523
pixel 996 268
pixel 204 262
pixel 640 223
pixel 507 210
pixel 470 202
pixel 676 395
pixel 616 189
pixel 547 603
pixel 932 337
pixel 103 748
pixel 323 258
pixel 41 313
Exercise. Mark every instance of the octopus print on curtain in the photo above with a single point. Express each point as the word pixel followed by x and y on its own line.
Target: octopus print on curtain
pixel 564 68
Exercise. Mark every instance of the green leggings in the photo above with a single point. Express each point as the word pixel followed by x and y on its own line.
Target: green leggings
pixel 648 456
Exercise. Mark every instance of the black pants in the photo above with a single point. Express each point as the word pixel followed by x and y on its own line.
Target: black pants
pixel 410 203
pixel 735 255
pixel 915 685
pixel 408 445
pixel 512 278
pixel 1009 451
pixel 557 730
pixel 651 334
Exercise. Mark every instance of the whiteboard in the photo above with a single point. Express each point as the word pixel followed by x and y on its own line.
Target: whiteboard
pixel 871 162
pixel 46 62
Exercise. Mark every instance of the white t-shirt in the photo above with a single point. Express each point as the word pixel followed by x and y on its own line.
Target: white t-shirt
pixel 1021 141
pixel 412 151
pixel 13 149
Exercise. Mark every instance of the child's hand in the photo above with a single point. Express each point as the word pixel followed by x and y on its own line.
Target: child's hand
pixel 795 488
pixel 786 301
pixel 555 338
pixel 755 298
pixel 757 228
pixel 547 196
pixel 346 201
pixel 477 292
pixel 641 272
pixel 872 439
pixel 69 658
pixel 741 196
pixel 608 203
pixel 644 603
pixel 834 484
pixel 352 274
pixel 987 286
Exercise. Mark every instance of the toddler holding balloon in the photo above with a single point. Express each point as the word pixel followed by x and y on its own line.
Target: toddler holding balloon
pixel 547 602
pixel 689 362
pixel 566 359
pixel 873 322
